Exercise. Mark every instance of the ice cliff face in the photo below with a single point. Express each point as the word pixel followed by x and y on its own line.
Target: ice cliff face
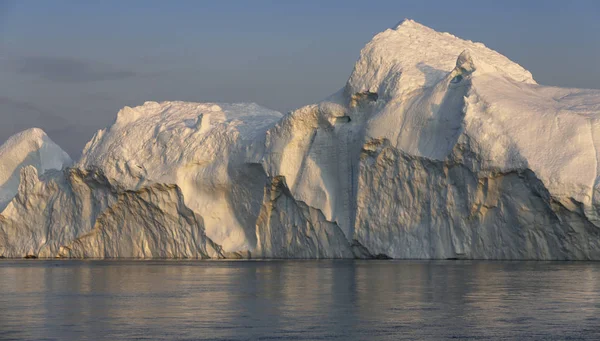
pixel 77 213
pixel 436 147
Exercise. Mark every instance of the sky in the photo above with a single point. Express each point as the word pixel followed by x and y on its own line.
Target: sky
pixel 68 66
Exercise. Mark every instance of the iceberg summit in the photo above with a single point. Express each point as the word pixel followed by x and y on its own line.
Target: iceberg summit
pixel 435 148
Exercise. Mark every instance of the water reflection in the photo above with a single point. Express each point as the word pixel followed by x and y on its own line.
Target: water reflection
pixel 293 300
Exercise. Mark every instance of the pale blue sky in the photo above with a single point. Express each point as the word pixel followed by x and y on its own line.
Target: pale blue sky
pixel 68 66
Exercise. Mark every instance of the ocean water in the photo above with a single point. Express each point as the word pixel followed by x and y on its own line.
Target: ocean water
pixel 299 300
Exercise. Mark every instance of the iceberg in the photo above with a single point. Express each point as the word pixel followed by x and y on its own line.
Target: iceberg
pixel 435 148
pixel 31 147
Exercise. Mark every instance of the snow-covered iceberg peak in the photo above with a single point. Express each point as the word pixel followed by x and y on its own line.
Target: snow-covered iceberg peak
pixel 30 147
pixel 211 151
pixel 439 147
pixel 412 56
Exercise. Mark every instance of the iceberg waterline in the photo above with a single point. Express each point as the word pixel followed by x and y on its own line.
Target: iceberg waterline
pixel 436 147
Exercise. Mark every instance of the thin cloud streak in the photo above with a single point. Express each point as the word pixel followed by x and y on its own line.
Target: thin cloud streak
pixel 70 70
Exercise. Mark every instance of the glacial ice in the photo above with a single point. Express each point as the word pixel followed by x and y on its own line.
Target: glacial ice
pixel 435 148
pixel 30 147
pixel 212 152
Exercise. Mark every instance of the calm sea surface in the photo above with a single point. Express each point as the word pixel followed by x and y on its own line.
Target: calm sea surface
pixel 299 300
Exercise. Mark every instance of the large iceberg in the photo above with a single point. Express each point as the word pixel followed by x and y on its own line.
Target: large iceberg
pixel 435 148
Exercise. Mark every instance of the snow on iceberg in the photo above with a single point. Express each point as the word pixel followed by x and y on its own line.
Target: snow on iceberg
pixel 435 148
pixel 30 147
pixel 212 152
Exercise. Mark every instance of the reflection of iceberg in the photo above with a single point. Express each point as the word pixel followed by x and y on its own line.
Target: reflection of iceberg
pixel 341 300
pixel 436 147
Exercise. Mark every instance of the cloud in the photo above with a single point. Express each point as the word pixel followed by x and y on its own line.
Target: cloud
pixel 70 70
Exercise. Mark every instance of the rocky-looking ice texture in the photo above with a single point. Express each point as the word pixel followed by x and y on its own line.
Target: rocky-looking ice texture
pixel 288 228
pixel 77 213
pixel 152 222
pixel 436 147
